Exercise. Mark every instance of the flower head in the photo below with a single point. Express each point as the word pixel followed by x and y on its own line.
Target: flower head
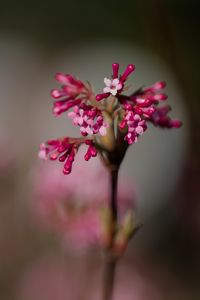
pixel 112 86
pixel 120 117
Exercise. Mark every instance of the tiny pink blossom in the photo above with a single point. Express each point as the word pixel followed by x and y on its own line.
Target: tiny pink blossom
pixel 115 86
pixel 139 130
pixel 112 86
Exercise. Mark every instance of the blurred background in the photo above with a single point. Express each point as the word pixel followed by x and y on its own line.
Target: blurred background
pixel 39 260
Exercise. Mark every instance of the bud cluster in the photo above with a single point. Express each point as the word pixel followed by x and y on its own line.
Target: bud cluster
pixel 64 150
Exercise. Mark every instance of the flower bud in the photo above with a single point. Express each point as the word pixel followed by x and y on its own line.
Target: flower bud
pixel 123 235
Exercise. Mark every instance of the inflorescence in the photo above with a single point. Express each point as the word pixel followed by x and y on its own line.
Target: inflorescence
pixel 90 112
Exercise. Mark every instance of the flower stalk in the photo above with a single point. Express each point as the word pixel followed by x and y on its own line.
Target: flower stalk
pixel 111 259
pixel 114 181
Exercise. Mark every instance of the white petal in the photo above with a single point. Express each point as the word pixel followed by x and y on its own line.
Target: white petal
pixel 119 86
pixel 113 92
pixel 107 90
pixel 115 81
pixel 107 81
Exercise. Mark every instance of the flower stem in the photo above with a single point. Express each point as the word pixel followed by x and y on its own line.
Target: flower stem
pixel 114 181
pixel 111 260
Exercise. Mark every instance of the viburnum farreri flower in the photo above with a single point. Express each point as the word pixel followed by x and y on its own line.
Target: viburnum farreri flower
pixel 109 121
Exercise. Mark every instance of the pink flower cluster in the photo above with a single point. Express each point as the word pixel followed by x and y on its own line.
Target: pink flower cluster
pixel 75 93
pixel 64 150
pixel 140 107
pixel 72 92
pixel 89 119
pixel 133 113
pixel 135 124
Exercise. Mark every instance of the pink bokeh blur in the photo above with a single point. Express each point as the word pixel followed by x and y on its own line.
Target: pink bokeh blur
pixel 70 206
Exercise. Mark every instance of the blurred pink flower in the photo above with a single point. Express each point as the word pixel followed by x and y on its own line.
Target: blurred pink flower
pixel 71 206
